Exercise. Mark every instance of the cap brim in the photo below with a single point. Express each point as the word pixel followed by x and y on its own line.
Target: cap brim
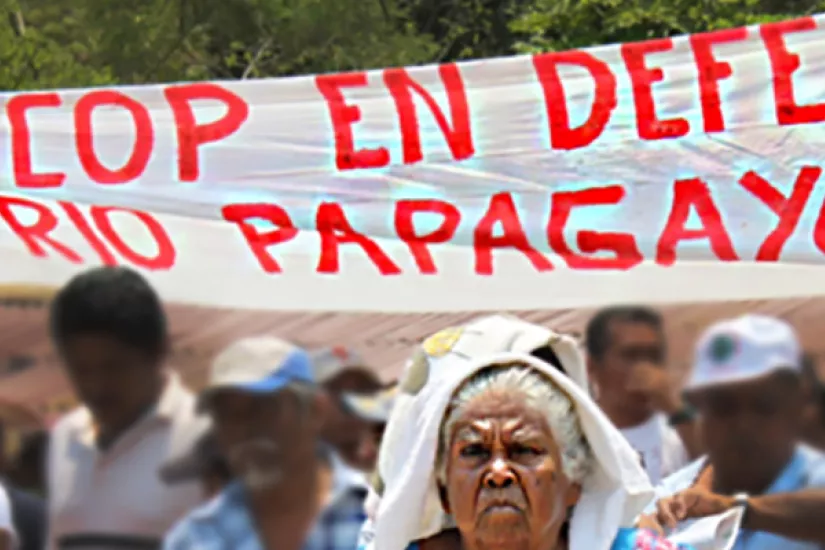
pixel 366 407
pixel 273 384
pixel 375 407
pixel 735 379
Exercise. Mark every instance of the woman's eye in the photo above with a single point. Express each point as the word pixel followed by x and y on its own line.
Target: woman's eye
pixel 474 450
pixel 526 450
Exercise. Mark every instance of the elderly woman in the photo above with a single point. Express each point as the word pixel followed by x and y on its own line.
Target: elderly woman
pixel 512 460
pixel 478 338
pixel 520 458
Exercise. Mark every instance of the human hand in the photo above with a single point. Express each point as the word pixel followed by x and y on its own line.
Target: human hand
pixel 692 503
pixel 653 382
pixel 649 522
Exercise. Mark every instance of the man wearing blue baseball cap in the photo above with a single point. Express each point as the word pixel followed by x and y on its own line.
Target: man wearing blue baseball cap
pixel 267 417
pixel 747 388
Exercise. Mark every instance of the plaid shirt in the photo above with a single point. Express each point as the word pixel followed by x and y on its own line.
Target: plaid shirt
pixel 225 523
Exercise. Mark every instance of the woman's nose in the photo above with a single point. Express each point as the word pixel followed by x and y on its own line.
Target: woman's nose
pixel 500 475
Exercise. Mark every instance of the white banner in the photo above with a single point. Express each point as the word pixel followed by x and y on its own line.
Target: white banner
pixel 673 170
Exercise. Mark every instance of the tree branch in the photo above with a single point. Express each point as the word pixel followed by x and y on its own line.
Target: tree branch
pixel 253 64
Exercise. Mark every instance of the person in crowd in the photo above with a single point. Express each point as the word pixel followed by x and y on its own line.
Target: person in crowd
pixel 267 414
pixel 28 513
pixel 626 359
pixel 520 458
pixel 374 411
pixel 813 430
pixel 110 331
pixel 339 370
pixel 28 466
pixel 203 463
pixel 479 337
pixel 9 539
pixel 746 384
pixel 25 487
pixel 436 356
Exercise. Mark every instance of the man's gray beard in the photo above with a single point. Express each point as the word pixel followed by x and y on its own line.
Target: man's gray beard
pixel 253 477
pixel 257 479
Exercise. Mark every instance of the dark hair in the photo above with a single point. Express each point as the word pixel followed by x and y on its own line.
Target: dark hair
pixel 545 353
pixel 597 334
pixel 219 468
pixel 115 301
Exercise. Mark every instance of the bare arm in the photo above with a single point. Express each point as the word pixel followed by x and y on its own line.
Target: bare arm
pixel 796 515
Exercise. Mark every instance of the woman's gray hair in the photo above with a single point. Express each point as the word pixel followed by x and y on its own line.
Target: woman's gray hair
pixel 538 393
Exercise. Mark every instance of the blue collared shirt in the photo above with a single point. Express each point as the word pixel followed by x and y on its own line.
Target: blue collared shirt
pixel 805 470
pixel 225 522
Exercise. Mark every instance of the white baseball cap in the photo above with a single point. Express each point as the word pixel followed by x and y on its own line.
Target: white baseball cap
pixel 258 365
pixel 745 348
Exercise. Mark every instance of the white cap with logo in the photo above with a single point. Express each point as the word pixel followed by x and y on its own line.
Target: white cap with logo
pixel 743 349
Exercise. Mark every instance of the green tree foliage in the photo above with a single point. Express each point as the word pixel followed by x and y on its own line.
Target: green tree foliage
pixel 564 24
pixel 69 43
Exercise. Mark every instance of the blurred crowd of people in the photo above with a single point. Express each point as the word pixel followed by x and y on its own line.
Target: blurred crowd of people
pixel 289 449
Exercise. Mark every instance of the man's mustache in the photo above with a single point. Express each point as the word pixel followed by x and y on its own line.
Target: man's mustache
pixel 510 496
pixel 254 447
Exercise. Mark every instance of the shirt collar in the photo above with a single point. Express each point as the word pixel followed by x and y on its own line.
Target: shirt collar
pixel 174 396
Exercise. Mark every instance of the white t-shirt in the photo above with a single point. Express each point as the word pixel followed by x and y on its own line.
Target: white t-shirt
pixel 659 446
pixel 116 499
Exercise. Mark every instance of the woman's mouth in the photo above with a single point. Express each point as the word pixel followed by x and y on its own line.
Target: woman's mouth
pixel 503 505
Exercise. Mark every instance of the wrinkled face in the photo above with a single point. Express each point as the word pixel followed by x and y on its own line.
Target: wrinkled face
pixel 113 380
pixel 505 487
pixel 263 435
pixel 752 419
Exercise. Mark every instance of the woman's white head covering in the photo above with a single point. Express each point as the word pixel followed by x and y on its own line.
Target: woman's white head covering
pixel 490 334
pixel 613 495
pixel 478 338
